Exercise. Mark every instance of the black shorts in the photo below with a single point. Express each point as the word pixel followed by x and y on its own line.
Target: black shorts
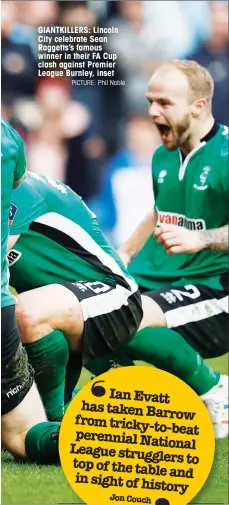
pixel 112 315
pixel 17 374
pixel 198 313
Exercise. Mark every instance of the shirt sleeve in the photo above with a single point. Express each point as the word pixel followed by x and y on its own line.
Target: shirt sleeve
pixel 20 168
pixel 20 225
pixel 26 206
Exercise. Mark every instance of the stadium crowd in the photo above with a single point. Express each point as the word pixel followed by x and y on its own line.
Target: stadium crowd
pixel 94 137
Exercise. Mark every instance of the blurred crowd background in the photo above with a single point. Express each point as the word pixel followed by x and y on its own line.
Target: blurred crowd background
pixel 98 139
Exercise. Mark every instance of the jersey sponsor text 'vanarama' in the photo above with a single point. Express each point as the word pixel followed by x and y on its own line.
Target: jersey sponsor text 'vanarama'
pixel 181 220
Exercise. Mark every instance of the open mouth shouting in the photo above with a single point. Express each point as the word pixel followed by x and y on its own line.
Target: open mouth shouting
pixel 164 131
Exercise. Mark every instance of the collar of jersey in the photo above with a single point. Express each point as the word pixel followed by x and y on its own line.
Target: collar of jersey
pixel 183 166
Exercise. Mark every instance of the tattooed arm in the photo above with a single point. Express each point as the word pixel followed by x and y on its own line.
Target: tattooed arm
pixel 176 239
pixel 216 240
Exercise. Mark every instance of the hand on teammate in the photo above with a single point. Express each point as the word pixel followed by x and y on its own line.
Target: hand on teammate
pixel 176 239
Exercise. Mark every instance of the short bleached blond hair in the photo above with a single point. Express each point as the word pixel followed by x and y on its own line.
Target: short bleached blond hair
pixel 199 78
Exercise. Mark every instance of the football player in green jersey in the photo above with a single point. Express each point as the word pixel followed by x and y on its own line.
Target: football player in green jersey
pixel 179 253
pixel 82 287
pixel 164 347
pixel 26 433
pixel 45 254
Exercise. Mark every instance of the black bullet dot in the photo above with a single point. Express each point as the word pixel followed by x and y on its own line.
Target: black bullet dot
pixel 162 501
pixel 98 390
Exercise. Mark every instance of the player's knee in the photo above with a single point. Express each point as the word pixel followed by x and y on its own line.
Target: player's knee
pixel 23 313
pixel 15 444
pixel 153 315
pixel 26 313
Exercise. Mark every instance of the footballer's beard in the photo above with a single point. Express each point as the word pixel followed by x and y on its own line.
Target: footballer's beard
pixel 178 134
pixel 182 132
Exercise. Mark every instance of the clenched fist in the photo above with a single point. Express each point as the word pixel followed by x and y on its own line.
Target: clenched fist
pixel 176 239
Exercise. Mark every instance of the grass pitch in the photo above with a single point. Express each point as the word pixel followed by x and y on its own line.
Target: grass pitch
pixel 25 483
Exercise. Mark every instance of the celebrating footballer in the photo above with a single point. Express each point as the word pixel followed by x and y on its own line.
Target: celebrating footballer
pixel 165 301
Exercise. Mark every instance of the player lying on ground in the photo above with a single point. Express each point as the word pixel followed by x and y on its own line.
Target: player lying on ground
pixel 88 294
pixel 26 433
